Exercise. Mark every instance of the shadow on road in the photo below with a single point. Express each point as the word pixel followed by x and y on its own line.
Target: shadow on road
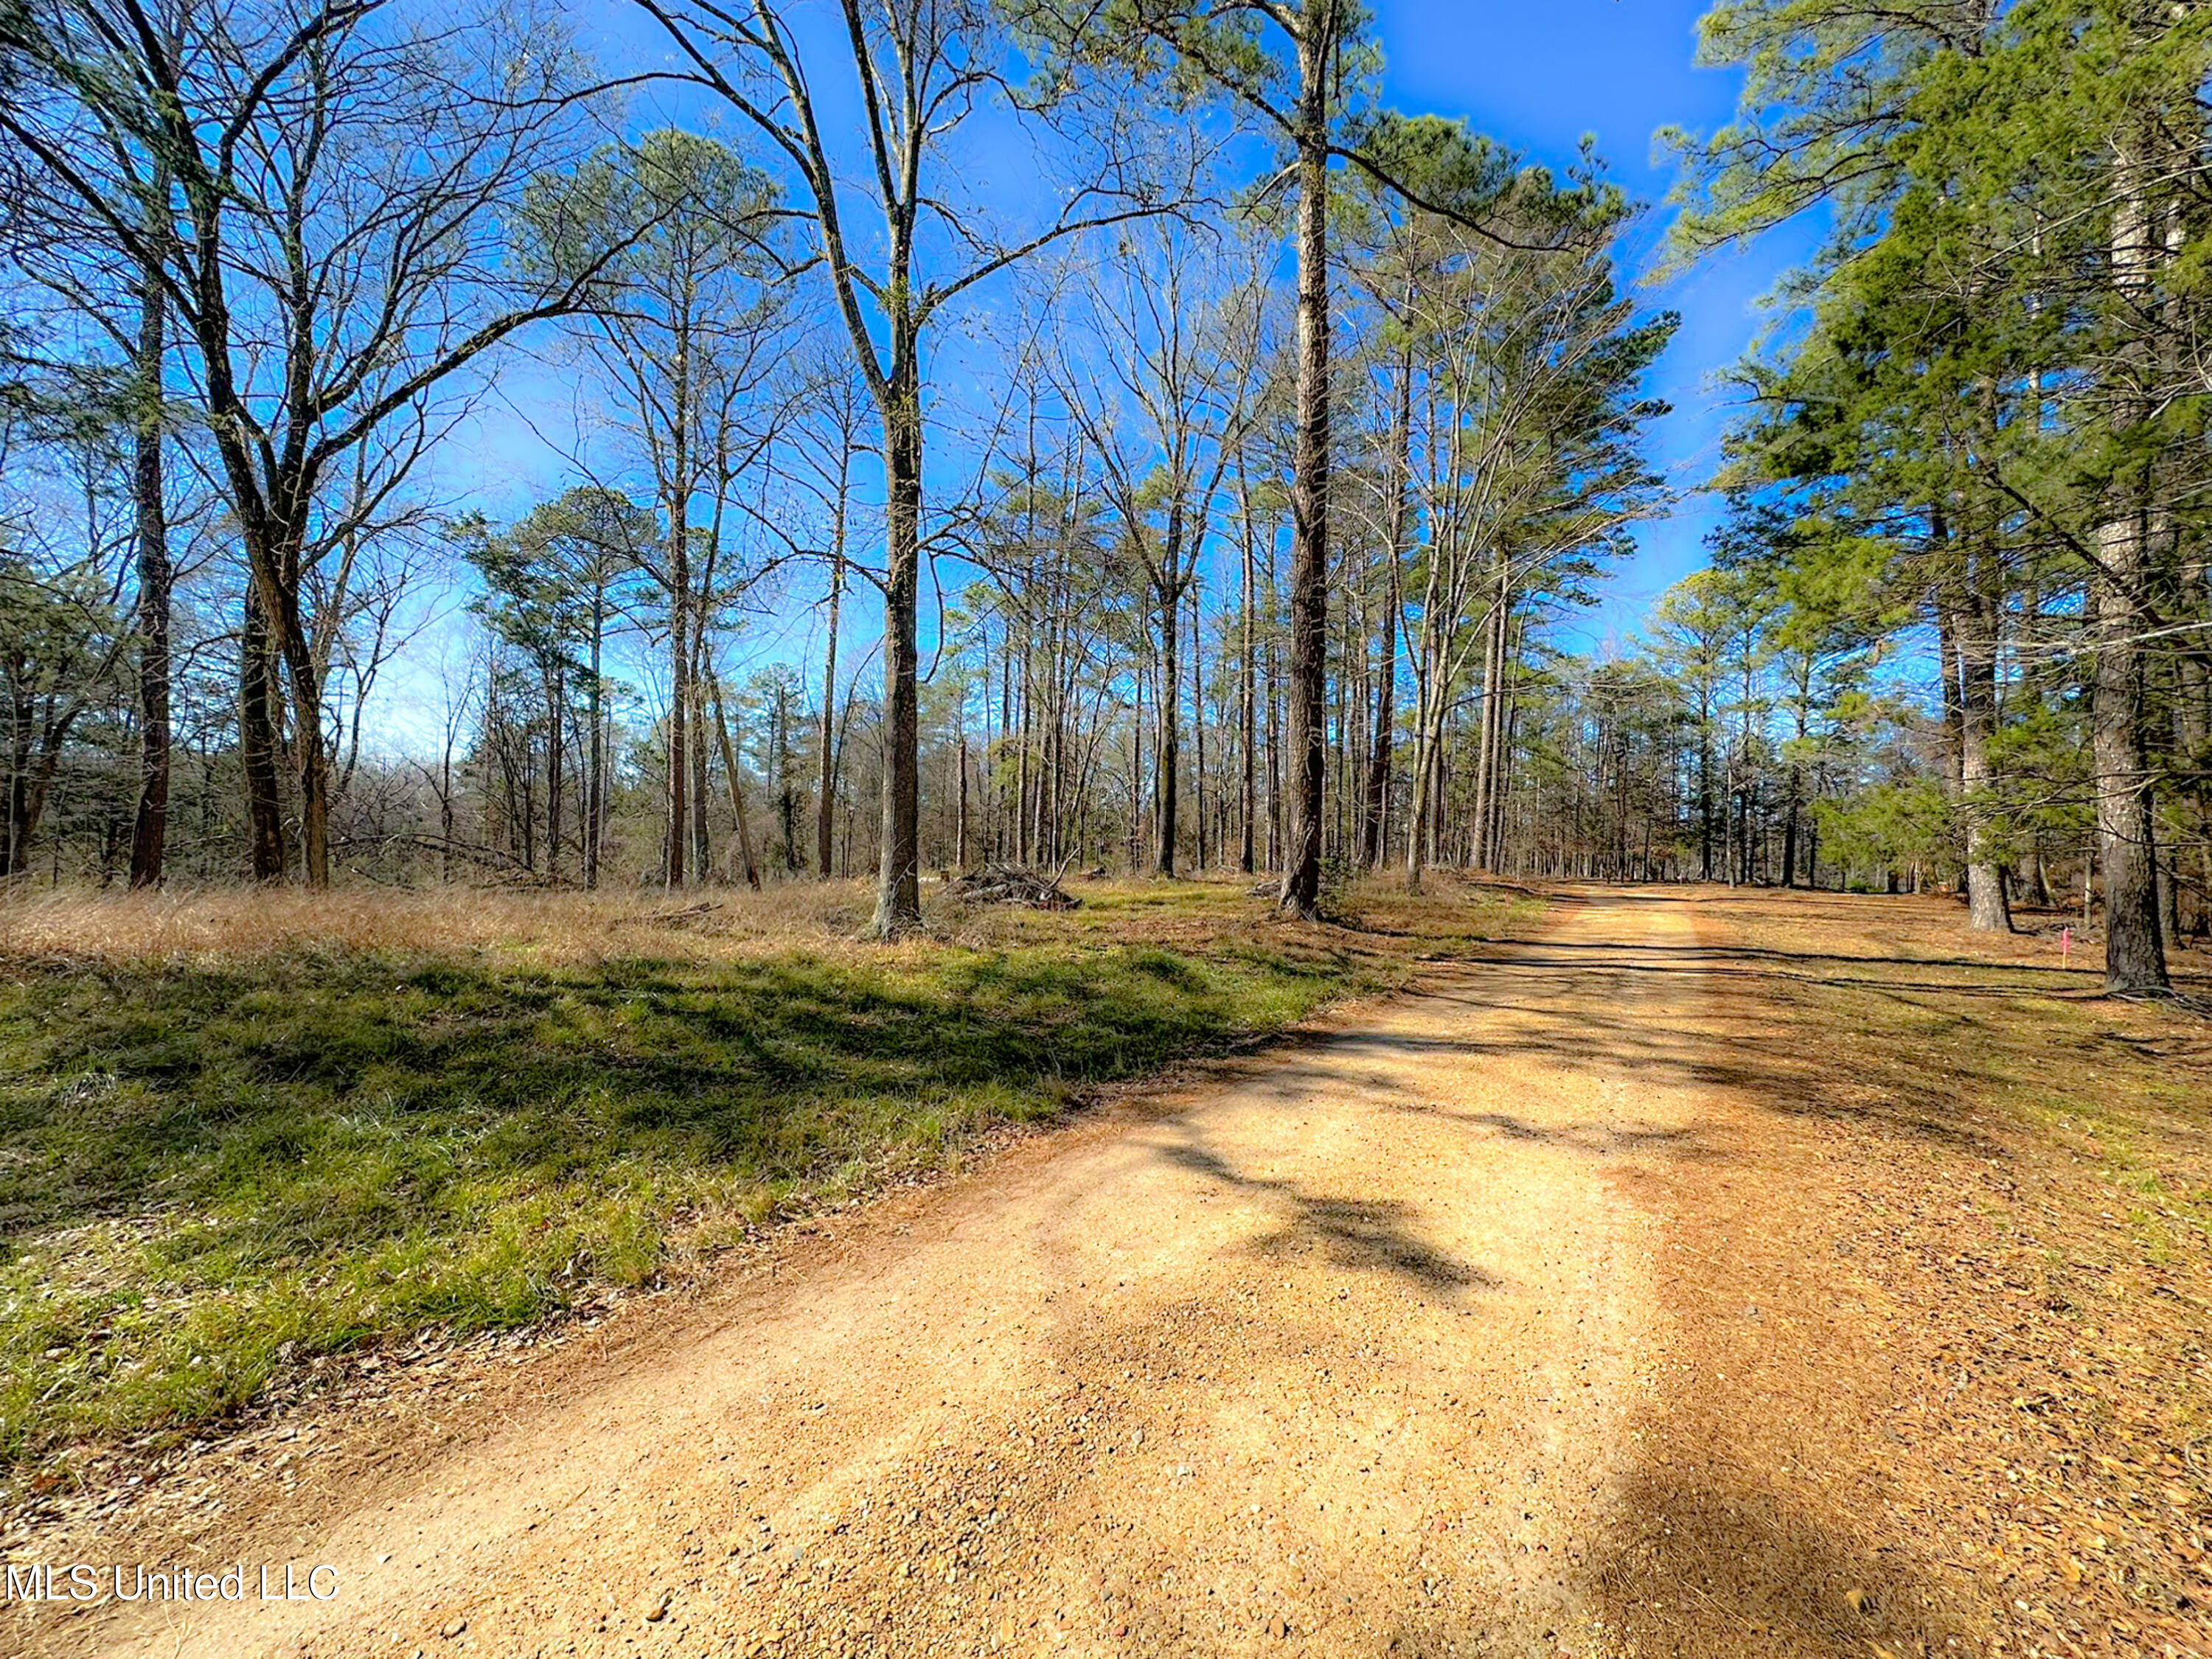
pixel 1370 1235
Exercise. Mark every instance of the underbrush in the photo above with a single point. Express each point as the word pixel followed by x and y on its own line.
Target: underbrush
pixel 238 1132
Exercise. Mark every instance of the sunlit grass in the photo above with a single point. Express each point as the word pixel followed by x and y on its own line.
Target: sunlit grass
pixel 237 1132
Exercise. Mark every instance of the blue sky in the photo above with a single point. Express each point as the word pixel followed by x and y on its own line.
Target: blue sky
pixel 1537 76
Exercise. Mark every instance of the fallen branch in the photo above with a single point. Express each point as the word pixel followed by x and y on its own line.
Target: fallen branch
pixel 1007 884
pixel 677 918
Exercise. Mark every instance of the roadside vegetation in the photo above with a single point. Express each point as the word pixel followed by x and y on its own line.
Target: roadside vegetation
pixel 239 1131
pixel 2028 1214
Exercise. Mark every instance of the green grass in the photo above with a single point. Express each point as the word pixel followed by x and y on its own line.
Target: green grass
pixel 213 1169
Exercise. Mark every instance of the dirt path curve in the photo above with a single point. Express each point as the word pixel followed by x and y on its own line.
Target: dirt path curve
pixel 1344 1352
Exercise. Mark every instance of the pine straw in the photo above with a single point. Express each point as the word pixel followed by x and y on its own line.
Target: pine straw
pixel 1957 1275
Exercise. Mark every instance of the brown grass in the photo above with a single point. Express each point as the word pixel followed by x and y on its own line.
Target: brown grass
pixel 243 925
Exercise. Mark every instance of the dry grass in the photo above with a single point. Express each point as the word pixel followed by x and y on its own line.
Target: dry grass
pixel 47 929
pixel 242 1132
pixel 237 925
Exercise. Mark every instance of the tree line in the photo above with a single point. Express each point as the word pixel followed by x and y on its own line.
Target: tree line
pixel 1982 440
pixel 1229 496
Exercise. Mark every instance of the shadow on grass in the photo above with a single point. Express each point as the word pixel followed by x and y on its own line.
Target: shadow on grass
pixel 1586 1010
pixel 206 1174
pixel 168 1087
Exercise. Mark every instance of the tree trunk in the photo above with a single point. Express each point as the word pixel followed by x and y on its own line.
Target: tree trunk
pixel 1427 741
pixel 555 695
pixel 703 860
pixel 1378 790
pixel 1249 711
pixel 256 744
pixel 1501 788
pixel 19 718
pixel 1167 749
pixel 2134 951
pixel 676 850
pixel 595 815
pixel 898 887
pixel 737 784
pixel 1987 910
pixel 1704 783
pixel 826 796
pixel 1309 488
pixel 150 828
pixel 1198 715
pixel 1494 703
pixel 288 633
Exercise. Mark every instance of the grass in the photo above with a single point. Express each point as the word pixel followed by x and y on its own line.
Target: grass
pixel 2118 1089
pixel 240 1132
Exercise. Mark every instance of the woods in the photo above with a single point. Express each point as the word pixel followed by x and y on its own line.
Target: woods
pixel 1106 827
pixel 1236 491
pixel 1971 445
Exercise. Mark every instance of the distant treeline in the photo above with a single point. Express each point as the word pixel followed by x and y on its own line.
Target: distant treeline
pixel 1255 501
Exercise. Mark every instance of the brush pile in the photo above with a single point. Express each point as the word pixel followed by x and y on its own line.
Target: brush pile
pixel 1007 884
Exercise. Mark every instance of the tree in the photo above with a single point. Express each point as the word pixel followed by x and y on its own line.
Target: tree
pixel 920 72
pixel 554 580
pixel 1292 66
pixel 95 281
pixel 2000 317
pixel 682 335
pixel 1180 347
pixel 1529 366
pixel 63 642
pixel 339 180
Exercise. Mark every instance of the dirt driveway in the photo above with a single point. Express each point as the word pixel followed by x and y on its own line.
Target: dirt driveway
pixel 1425 1336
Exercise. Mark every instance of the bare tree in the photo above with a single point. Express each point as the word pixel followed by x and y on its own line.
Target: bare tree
pixel 922 70
pixel 1179 328
pixel 682 338
pixel 336 260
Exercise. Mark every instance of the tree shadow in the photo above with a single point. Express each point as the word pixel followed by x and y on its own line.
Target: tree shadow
pixel 259 1095
pixel 1365 1234
pixel 1711 1561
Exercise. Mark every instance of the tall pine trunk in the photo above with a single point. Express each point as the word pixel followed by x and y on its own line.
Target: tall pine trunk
pixel 675 849
pixel 1987 910
pixel 1247 848
pixel 898 888
pixel 595 785
pixel 1167 746
pixel 1309 489
pixel 1377 789
pixel 2135 949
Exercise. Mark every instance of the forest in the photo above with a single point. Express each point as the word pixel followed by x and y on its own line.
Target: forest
pixel 1079 827
pixel 1266 453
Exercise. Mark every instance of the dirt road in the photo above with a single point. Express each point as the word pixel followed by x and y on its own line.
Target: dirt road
pixel 1390 1341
